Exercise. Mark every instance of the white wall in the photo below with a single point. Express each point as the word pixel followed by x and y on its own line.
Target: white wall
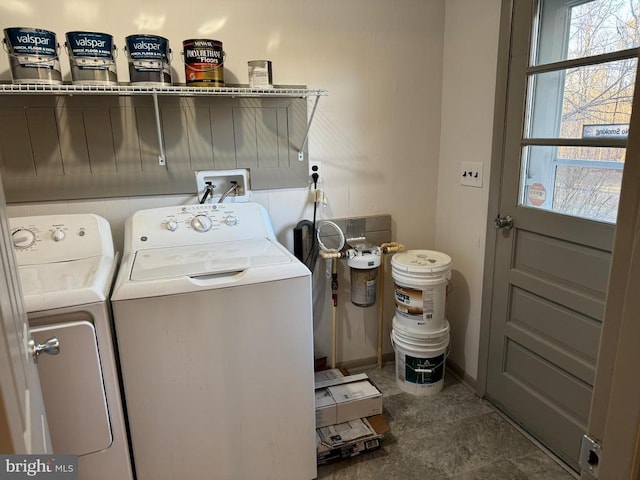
pixel 376 135
pixel 468 93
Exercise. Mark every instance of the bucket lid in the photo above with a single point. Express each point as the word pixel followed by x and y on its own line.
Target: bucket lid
pixel 421 261
pixel 420 334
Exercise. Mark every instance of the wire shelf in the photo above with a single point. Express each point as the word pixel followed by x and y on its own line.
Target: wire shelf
pixel 174 90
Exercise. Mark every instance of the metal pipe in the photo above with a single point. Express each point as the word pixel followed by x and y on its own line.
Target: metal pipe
pixel 384 248
pixel 381 309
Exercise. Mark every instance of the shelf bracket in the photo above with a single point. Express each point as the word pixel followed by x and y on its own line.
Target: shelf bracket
pixel 306 134
pixel 162 160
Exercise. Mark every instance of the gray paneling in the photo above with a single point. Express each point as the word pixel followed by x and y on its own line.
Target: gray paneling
pixel 108 145
pixel 223 138
pixel 15 143
pixel 547 380
pixel 267 137
pixel 97 125
pixel 44 142
pixel 283 138
pixel 125 139
pixel 175 139
pixel 147 134
pixel 244 130
pixel 73 141
pixel 198 127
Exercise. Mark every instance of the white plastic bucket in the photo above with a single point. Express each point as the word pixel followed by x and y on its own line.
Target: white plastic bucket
pixel 421 278
pixel 420 359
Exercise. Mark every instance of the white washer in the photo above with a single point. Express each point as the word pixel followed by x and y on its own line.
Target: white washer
pixel 214 326
pixel 66 265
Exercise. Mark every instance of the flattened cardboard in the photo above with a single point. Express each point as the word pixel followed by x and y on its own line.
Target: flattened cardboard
pixel 341 398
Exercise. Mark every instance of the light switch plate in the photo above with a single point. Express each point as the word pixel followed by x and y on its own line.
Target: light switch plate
pixel 471 174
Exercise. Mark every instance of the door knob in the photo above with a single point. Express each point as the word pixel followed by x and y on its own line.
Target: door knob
pixel 505 222
pixel 50 347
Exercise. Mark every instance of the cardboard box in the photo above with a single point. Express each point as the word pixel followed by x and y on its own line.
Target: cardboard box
pixel 349 439
pixel 340 398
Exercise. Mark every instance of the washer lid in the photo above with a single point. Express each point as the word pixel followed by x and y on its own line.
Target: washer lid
pixel 66 284
pixel 207 259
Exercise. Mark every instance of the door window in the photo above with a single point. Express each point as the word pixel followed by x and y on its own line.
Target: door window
pixel 580 87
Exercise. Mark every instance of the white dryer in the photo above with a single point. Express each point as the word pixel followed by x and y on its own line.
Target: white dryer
pixel 213 319
pixel 66 265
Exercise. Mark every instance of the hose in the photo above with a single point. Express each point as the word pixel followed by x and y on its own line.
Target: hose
pixel 234 186
pixel 208 192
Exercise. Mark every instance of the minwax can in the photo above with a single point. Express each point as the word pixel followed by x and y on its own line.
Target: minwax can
pixel 203 62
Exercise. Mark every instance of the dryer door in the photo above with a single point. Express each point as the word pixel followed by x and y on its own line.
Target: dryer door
pixel 73 389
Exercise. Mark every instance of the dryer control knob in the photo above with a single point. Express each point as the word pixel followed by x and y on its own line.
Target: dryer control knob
pixel 58 234
pixel 201 223
pixel 172 225
pixel 23 238
pixel 231 220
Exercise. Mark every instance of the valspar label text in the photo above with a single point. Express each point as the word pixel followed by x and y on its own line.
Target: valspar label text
pixel 90 44
pixel 31 41
pixel 148 47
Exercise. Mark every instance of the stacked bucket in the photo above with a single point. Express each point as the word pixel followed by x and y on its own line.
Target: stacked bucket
pixel 420 333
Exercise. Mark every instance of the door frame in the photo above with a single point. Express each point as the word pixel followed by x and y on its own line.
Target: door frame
pixel 615 410
pixel 11 438
pixel 614 420
pixel 495 184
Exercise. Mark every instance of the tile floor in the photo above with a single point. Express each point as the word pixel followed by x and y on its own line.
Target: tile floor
pixel 451 435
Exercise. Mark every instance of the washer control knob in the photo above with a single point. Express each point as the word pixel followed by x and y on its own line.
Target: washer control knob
pixel 171 225
pixel 58 234
pixel 231 220
pixel 23 238
pixel 201 223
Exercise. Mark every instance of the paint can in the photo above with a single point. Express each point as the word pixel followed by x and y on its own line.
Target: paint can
pixel 33 55
pixel 92 57
pixel 420 358
pixel 203 62
pixel 421 278
pixel 149 59
pixel 260 74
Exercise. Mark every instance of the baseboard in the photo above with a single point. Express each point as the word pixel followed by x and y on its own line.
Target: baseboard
pixel 462 375
pixel 362 364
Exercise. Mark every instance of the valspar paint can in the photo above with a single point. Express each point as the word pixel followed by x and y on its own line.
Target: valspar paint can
pixel 203 62
pixel 149 59
pixel 260 75
pixel 92 57
pixel 33 55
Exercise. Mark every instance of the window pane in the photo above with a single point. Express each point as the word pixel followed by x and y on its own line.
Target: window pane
pixel 579 181
pixel 585 102
pixel 577 28
pixel 585 192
